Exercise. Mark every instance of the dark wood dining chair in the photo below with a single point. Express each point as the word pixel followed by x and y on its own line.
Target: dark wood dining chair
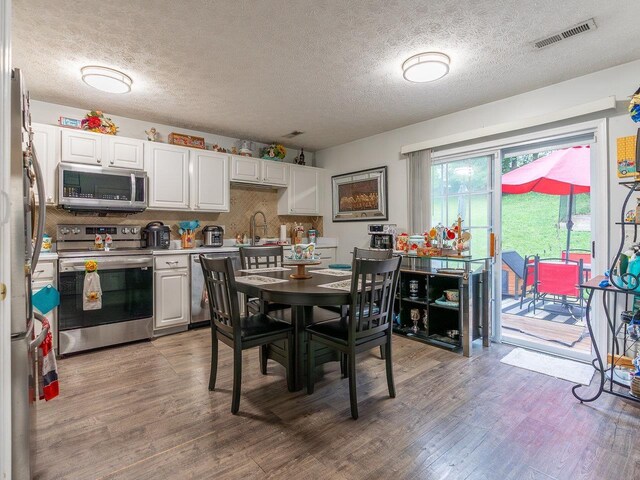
pixel 232 329
pixel 368 324
pixel 369 254
pixel 262 257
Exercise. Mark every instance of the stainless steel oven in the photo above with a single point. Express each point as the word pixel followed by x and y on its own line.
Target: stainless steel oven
pixel 126 281
pixel 92 188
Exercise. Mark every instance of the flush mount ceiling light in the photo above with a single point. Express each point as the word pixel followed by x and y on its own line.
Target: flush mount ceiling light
pixel 426 67
pixel 106 79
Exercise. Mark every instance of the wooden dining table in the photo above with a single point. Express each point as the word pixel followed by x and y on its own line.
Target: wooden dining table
pixel 303 295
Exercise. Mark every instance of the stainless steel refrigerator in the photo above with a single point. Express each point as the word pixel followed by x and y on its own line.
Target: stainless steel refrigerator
pixel 25 251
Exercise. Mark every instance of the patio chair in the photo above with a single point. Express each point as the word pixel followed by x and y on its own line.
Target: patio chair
pixel 557 281
pixel 585 256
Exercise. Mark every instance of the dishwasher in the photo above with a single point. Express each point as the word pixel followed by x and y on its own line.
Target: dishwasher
pixel 200 314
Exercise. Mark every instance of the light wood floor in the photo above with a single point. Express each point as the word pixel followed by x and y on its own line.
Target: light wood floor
pixel 539 330
pixel 143 411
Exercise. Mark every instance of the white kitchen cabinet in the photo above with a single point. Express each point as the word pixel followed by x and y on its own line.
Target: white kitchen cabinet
pixel 275 173
pixel 172 299
pixel 209 181
pixel 167 167
pixel 47 147
pixel 302 196
pixel 123 152
pixel 246 169
pixel 78 146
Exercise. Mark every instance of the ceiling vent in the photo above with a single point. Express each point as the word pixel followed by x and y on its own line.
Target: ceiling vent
pixel 293 134
pixel 582 27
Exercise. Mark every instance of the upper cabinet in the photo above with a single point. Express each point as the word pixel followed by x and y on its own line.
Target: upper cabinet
pixel 275 173
pixel 81 147
pixel 257 170
pixel 124 152
pixel 209 181
pixel 168 169
pixel 302 196
pixel 246 169
pixel 97 149
pixel 47 147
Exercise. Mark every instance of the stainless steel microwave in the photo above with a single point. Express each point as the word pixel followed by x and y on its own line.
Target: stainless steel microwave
pixel 93 188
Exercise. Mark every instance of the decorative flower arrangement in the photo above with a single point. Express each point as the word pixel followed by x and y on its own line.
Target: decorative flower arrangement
pixel 275 150
pixel 95 121
pixel 634 106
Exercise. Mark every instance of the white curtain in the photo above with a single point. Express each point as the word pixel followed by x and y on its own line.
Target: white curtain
pixel 418 191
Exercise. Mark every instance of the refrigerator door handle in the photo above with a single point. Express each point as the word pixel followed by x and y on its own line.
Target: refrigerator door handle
pixel 42 208
pixel 43 334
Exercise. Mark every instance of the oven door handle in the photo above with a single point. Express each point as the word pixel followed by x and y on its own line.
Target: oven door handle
pixel 77 265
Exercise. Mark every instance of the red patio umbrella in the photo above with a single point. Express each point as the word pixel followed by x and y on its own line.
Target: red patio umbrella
pixel 563 172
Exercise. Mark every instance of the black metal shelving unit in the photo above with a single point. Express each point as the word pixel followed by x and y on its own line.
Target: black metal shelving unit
pixel 619 294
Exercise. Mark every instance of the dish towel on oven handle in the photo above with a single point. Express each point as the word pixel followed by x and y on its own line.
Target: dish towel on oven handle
pixel 48 385
pixel 92 292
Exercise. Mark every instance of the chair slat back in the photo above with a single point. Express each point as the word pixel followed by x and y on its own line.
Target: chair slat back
pixel 261 257
pixel 558 276
pixel 223 296
pixel 371 254
pixel 373 289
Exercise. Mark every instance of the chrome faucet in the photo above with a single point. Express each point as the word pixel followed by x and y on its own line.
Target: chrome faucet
pixel 253 226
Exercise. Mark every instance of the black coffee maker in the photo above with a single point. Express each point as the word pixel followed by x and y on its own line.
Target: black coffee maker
pixel 383 235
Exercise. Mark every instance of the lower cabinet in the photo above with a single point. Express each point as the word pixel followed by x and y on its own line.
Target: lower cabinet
pixel 171 289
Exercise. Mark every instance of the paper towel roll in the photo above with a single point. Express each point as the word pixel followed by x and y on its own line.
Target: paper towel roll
pixel 283 233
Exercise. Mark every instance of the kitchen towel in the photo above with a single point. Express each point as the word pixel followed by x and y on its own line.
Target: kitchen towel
pixel 49 387
pixel 92 292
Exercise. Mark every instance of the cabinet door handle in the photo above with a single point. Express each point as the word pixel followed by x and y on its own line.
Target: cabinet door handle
pixel 99 160
pixel 175 262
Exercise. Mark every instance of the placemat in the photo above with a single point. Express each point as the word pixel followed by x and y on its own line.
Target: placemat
pixel 264 270
pixel 332 272
pixel 340 285
pixel 259 280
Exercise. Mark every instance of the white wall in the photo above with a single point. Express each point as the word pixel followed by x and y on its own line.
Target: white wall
pixel 384 148
pixel 48 113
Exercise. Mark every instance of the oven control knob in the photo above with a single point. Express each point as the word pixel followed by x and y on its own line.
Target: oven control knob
pixel 134 230
pixel 64 230
pixel 76 231
pixel 125 230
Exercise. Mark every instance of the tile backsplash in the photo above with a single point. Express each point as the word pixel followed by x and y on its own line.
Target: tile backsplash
pixel 245 201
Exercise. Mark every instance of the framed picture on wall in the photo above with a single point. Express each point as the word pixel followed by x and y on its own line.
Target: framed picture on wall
pixel 360 196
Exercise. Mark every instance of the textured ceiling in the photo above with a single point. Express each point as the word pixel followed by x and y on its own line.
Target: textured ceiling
pixel 331 68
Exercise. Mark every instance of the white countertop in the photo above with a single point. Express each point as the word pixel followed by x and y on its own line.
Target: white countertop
pixel 196 250
pixel 48 256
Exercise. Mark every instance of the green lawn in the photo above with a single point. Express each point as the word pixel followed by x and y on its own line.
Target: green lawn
pixel 529 225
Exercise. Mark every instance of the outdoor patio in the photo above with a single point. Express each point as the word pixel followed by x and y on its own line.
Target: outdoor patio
pixel 542 266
